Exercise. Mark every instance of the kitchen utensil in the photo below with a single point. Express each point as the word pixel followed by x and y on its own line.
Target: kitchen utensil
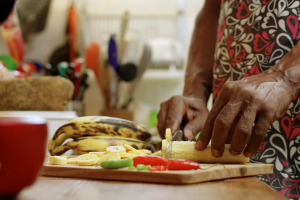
pixel 178 135
pixel 208 172
pixel 59 54
pixel 72 30
pixel 9 62
pixel 127 72
pixel 13 39
pixel 32 15
pixel 62 68
pixel 114 87
pixel 105 81
pixel 92 54
pixel 82 87
pixel 67 52
pixel 143 65
pixel 112 53
pixel 123 28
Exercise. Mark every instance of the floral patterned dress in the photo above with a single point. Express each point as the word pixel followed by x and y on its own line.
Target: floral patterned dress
pixel 253 35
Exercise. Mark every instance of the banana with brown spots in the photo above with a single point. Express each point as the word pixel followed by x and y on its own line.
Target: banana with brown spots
pixel 98 126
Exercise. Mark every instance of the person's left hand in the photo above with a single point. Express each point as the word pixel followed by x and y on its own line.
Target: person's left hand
pixel 259 99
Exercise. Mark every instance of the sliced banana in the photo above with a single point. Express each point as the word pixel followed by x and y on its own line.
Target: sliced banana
pixel 115 149
pixel 87 156
pixel 129 148
pixel 87 162
pixel 146 151
pixel 137 152
pixel 50 157
pixel 71 161
pixel 168 135
pixel 58 160
pixel 99 153
pixel 127 155
pixel 158 153
pixel 109 156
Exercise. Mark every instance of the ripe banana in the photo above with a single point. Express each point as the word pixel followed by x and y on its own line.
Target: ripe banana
pixel 84 145
pixel 98 126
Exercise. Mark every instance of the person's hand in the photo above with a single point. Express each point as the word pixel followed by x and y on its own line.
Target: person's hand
pixel 177 108
pixel 259 99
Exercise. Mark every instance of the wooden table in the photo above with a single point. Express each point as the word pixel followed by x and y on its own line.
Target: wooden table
pixel 52 188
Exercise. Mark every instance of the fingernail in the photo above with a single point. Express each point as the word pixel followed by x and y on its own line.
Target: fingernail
pixel 247 154
pixel 215 153
pixel 189 135
pixel 234 152
pixel 199 145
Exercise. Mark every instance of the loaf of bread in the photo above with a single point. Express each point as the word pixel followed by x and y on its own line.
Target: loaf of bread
pixel 36 93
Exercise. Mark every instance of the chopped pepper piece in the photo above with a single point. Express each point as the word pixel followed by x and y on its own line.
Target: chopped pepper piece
pixel 116 164
pixel 147 167
pixel 158 168
pixel 181 164
pixel 140 167
pixel 149 160
pixel 131 167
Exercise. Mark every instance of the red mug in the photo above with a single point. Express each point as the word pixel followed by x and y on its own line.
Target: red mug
pixel 22 152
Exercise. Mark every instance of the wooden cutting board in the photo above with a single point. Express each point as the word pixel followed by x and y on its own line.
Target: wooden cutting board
pixel 208 172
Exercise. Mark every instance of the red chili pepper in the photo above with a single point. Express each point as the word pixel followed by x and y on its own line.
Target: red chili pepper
pixel 158 168
pixel 181 164
pixel 149 160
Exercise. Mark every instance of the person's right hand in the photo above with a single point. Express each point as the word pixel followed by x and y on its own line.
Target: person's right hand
pixel 177 108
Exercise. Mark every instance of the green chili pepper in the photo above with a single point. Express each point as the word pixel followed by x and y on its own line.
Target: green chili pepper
pixel 116 164
pixel 140 167
pixel 131 167
pixel 147 167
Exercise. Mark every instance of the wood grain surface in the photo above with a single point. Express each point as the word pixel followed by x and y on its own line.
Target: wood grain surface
pixel 50 188
pixel 207 173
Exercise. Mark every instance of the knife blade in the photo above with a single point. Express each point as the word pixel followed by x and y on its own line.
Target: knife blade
pixel 176 137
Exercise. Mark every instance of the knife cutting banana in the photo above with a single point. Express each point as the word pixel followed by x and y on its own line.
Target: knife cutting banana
pixel 186 150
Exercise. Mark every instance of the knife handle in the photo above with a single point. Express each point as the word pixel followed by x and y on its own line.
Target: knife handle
pixel 182 125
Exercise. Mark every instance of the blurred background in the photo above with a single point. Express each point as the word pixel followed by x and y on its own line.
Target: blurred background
pixel 145 41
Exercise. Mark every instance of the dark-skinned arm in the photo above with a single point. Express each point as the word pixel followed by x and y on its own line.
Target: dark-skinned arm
pixel 256 101
pixel 192 105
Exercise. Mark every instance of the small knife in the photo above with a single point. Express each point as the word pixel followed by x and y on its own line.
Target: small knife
pixel 176 137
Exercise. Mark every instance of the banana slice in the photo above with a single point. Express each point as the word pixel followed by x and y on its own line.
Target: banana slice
pixel 99 153
pixel 137 152
pixel 168 135
pixel 127 155
pixel 158 153
pixel 86 156
pixel 146 151
pixel 50 157
pixel 109 156
pixel 129 148
pixel 87 159
pixel 115 149
pixel 87 162
pixel 58 160
pixel 71 161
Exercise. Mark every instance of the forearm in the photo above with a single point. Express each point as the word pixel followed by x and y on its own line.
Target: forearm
pixel 198 78
pixel 288 69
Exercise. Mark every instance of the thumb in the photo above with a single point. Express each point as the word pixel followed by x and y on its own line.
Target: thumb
pixel 191 129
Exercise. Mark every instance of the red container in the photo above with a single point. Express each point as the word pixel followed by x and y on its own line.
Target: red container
pixel 22 152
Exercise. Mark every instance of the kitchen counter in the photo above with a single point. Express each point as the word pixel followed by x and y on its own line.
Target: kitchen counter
pixel 50 188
